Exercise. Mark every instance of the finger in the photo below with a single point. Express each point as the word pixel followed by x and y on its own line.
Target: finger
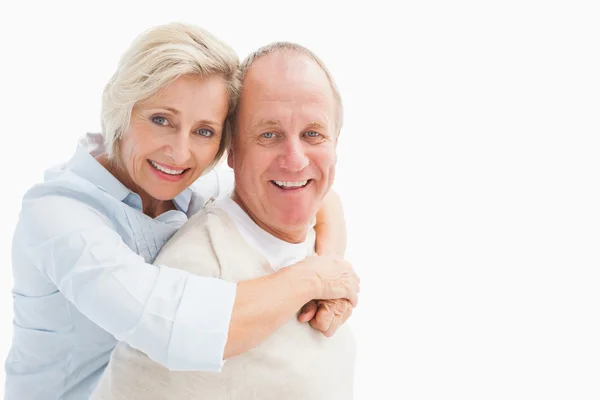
pixel 335 324
pixel 324 317
pixel 339 320
pixel 308 311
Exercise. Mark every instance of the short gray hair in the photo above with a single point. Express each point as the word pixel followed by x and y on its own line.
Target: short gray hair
pixel 293 47
pixel 156 58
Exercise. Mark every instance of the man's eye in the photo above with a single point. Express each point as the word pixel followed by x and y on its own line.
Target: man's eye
pixel 313 134
pixel 268 135
pixel 160 121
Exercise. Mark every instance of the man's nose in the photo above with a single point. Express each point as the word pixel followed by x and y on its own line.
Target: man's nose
pixel 294 157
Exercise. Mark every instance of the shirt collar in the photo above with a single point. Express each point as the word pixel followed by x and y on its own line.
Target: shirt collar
pixel 86 166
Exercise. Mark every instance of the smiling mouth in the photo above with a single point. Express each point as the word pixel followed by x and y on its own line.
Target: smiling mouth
pixel 168 171
pixel 291 185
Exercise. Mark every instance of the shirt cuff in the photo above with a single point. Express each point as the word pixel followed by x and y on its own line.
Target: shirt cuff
pixel 201 325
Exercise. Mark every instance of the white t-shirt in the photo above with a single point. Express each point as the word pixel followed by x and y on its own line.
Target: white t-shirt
pixel 278 252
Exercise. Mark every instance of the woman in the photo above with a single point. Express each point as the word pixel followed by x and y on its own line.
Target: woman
pixel 87 236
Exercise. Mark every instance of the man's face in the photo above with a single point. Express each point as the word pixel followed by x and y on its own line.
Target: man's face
pixel 284 148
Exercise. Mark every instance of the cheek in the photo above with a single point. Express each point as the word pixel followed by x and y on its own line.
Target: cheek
pixel 205 152
pixel 202 155
pixel 134 155
pixel 256 162
pixel 135 143
pixel 251 169
pixel 126 151
pixel 325 160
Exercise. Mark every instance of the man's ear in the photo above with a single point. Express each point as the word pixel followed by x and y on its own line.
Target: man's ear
pixel 230 158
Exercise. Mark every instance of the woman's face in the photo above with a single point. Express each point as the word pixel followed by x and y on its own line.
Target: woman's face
pixel 174 136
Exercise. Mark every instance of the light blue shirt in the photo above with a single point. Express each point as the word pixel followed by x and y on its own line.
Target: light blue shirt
pixel 83 279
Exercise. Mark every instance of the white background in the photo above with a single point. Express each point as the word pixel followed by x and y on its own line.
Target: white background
pixel 468 167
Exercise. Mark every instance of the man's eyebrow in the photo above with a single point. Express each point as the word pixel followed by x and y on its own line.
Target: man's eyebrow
pixel 315 125
pixel 264 123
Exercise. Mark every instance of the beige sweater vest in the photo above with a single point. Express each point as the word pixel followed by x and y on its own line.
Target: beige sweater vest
pixel 295 363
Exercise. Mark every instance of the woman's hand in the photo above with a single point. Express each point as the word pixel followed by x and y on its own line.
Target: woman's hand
pixel 335 277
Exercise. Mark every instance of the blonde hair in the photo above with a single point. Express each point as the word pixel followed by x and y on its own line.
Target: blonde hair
pixel 155 59
pixel 293 47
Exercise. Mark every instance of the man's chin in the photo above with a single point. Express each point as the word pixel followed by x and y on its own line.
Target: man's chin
pixel 294 221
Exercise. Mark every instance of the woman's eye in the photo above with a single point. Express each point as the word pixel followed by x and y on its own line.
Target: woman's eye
pixel 268 135
pixel 205 132
pixel 160 121
pixel 313 134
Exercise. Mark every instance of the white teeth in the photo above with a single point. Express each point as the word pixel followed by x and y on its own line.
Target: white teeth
pixel 290 184
pixel 166 170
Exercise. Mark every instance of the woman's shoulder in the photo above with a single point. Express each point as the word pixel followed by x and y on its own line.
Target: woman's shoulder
pixel 58 209
pixel 65 188
pixel 67 197
pixel 80 182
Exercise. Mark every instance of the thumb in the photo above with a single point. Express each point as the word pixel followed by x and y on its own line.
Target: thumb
pixel 308 311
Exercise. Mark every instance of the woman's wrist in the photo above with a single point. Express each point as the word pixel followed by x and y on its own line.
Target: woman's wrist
pixel 302 281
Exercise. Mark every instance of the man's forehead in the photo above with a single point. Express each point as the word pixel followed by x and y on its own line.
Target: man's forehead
pixel 280 108
pixel 305 94
pixel 285 68
pixel 307 91
pixel 285 86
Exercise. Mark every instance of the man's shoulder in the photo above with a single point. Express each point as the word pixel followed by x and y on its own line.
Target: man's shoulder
pixel 216 184
pixel 209 216
pixel 194 247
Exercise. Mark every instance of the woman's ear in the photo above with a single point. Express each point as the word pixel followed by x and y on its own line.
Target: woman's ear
pixel 230 157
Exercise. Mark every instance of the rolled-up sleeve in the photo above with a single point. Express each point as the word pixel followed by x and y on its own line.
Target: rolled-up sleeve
pixel 207 333
pixel 178 319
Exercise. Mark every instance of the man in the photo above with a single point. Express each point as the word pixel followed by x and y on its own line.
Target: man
pixel 283 154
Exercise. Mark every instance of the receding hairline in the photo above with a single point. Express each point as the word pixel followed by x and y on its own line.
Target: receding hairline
pixel 279 48
pixel 294 48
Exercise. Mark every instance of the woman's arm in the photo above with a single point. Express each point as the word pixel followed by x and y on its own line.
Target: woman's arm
pixel 263 305
pixel 331 226
pixel 180 320
pixel 328 315
pixel 175 318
